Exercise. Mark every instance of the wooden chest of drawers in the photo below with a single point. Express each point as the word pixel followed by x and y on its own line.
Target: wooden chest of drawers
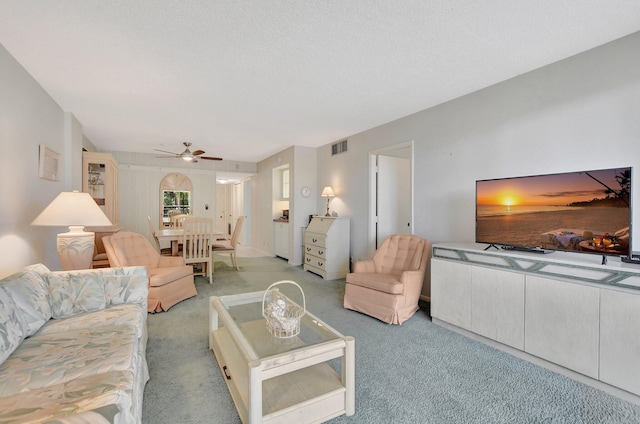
pixel 326 247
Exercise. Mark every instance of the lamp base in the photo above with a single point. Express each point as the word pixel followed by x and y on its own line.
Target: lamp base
pixel 75 248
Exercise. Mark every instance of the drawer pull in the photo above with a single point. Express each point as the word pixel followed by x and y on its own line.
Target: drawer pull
pixel 320 263
pixel 226 372
pixel 320 252
pixel 314 240
pixel 308 249
pixel 308 259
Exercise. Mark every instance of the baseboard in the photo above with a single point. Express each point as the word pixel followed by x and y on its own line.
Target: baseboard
pixel 615 391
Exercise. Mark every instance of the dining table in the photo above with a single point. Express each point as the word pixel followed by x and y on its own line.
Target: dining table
pixel 175 235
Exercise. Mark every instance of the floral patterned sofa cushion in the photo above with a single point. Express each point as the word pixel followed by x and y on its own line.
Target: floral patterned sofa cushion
pixel 115 315
pixel 51 359
pixel 70 400
pixel 13 328
pixel 29 291
pixel 73 293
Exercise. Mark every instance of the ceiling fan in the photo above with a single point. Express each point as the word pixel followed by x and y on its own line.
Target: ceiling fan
pixel 187 155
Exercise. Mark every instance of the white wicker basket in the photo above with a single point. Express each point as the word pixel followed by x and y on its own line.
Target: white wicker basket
pixel 282 316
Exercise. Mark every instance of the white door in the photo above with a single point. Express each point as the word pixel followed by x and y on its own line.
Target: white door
pixel 221 209
pixel 393 197
pixel 390 193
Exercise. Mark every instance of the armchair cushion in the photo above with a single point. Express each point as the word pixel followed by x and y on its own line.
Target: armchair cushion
pixel 161 276
pixel 380 282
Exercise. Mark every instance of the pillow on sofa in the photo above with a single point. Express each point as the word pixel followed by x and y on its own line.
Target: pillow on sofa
pixel 75 293
pixel 119 289
pixel 29 291
pixel 13 328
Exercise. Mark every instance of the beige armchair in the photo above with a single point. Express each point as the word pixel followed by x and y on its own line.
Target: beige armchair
pixel 170 280
pixel 388 286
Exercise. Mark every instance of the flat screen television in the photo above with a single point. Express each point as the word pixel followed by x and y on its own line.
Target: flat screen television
pixel 587 212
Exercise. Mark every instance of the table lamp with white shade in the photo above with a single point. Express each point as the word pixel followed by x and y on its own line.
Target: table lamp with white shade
pixel 328 193
pixel 75 210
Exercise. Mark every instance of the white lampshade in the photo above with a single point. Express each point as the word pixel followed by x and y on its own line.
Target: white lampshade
pixel 75 210
pixel 72 208
pixel 327 192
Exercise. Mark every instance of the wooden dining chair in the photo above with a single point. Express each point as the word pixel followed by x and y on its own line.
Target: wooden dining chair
pixel 177 221
pixel 164 252
pixel 230 248
pixel 196 244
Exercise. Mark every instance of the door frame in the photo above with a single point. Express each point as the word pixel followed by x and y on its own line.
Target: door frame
pixel 373 192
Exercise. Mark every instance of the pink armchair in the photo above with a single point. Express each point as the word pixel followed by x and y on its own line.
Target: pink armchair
pixel 170 280
pixel 388 286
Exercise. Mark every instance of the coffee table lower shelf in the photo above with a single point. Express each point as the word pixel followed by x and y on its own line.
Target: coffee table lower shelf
pixel 295 387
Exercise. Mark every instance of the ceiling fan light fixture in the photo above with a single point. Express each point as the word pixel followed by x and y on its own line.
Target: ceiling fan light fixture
pixel 187 155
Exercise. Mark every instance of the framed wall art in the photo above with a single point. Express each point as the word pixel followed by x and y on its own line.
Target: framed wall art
pixel 49 164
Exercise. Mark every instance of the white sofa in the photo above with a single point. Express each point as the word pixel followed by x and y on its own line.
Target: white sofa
pixel 73 344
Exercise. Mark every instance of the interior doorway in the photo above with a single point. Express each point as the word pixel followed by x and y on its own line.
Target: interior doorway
pixel 391 192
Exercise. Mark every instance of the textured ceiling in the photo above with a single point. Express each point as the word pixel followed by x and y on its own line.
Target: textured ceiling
pixel 246 79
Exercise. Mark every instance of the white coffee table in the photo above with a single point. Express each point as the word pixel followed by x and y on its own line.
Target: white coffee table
pixel 274 380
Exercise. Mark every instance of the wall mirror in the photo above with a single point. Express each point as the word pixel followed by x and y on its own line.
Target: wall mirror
pixel 175 197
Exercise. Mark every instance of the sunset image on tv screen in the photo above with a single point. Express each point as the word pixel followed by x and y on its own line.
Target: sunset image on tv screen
pixel 585 211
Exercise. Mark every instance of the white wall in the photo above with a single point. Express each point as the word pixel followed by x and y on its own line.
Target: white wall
pixel 303 173
pixel 28 118
pixel 302 168
pixel 580 113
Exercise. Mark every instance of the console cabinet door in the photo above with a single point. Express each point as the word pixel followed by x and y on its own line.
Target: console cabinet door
pixel 620 339
pixel 497 305
pixel 451 292
pixel 282 239
pixel 562 324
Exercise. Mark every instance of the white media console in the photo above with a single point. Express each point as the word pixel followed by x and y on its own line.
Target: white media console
pixel 564 308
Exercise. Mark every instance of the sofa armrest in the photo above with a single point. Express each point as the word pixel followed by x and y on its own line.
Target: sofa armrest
pixel 364 266
pixel 169 261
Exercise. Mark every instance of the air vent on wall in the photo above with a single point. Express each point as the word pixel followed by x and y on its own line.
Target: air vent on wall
pixel 339 147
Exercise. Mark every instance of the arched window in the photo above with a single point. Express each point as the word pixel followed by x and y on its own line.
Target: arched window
pixel 175 196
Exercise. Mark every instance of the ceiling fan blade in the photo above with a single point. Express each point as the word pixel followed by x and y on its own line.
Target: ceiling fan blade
pixel 164 151
pixel 168 156
pixel 209 158
pixel 198 153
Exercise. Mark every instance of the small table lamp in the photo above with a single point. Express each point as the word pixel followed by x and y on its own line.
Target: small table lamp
pixel 328 193
pixel 73 209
